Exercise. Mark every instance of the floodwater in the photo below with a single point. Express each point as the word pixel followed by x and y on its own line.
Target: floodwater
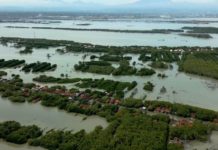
pixel 108 38
pixel 181 87
pixel 9 146
pixel 209 145
pixel 47 118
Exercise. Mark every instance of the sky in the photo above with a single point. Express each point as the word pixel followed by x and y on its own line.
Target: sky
pixel 107 4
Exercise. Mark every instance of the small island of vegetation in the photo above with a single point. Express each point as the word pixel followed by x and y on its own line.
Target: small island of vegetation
pixel 39 67
pixel 11 63
pixel 200 63
pixel 148 86
pixel 3 73
pixel 197 35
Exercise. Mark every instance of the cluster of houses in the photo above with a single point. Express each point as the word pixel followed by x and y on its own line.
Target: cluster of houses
pixel 183 122
pixel 72 96
pixel 176 141
pixel 114 101
pixel 162 110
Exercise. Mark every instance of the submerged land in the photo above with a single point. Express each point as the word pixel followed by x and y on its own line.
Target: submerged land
pixel 164 125
pixel 195 32
pixel 61 94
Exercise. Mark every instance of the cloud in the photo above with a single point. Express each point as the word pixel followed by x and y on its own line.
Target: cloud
pixel 110 2
pixel 99 2
pixel 107 4
pixel 64 2
pixel 195 1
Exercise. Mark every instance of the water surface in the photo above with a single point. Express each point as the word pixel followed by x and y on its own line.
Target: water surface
pixel 181 87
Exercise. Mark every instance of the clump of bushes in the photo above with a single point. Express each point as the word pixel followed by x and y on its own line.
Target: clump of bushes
pixel 148 86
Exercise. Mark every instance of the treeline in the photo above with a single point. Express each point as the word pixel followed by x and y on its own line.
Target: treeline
pixel 34 67
pixel 130 130
pixel 183 110
pixel 107 68
pixel 160 31
pixel 197 35
pixel 200 63
pixel 132 103
pixel 10 63
pixel 95 67
pixel 107 85
pixel 13 132
pixel 114 58
pixel 195 131
pixel 50 79
pixel 165 56
pixel 39 67
pixel 212 30
pixel 71 46
pixel 33 43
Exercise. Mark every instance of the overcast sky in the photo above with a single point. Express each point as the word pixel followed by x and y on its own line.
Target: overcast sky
pixel 106 3
pixel 102 2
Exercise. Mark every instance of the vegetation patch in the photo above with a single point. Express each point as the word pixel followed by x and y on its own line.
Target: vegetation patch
pixel 183 110
pixel 102 67
pixel 194 131
pixel 145 72
pixel 212 30
pixel 95 67
pixel 148 86
pixel 13 132
pixel 165 56
pixel 159 65
pixel 200 63
pixel 197 35
pixel 39 67
pixel 10 63
pixel 107 85
pixel 128 129
pixel 3 73
pixel 27 50
pixel 50 79
pixel 114 58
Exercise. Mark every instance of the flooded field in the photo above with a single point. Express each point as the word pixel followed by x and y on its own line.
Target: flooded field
pixel 118 39
pixel 181 87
